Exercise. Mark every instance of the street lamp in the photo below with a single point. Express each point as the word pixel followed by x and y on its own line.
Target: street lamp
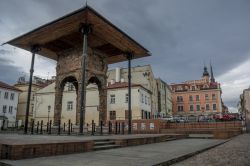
pixel 49 107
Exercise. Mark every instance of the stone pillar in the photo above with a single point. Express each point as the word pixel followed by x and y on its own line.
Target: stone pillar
pixel 78 94
pixel 103 104
pixel 58 102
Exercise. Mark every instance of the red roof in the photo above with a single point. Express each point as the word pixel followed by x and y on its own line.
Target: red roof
pixel 120 85
pixel 117 85
pixel 7 86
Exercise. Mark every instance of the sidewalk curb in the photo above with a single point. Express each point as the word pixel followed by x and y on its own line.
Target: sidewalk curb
pixel 184 157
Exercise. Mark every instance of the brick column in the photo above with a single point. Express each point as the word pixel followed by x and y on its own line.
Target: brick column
pixel 58 102
pixel 103 104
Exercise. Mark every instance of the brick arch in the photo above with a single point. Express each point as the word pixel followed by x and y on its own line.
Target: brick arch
pixel 60 84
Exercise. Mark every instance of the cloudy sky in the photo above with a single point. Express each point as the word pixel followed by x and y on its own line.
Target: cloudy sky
pixel 182 35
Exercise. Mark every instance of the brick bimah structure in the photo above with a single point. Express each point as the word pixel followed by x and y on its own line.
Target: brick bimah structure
pixel 83 43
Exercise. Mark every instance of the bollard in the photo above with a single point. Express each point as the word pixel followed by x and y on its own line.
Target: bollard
pixel 119 128
pixel 41 128
pixel 64 127
pixel 47 127
pixel 115 127
pixel 123 127
pixel 69 127
pixel 32 126
pixel 37 127
pixel 101 127
pixel 50 122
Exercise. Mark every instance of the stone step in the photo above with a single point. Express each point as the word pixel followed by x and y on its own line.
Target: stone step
pixel 105 147
pixel 99 143
pixel 102 140
pixel 171 139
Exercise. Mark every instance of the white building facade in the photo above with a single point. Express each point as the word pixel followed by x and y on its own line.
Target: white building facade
pixel 8 104
pixel 142 75
pixel 117 105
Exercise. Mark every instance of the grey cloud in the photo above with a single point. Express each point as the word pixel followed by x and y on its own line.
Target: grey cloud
pixel 9 72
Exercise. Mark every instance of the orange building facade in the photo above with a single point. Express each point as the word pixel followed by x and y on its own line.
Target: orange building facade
pixel 196 98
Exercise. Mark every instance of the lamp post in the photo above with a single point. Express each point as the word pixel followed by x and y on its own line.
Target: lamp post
pixel 49 107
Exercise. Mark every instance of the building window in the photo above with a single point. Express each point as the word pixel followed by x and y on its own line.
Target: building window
pixel 70 87
pixel 142 98
pixel 142 114
pixel 207 107
pixel 179 98
pixel 149 101
pixel 190 98
pixel 146 100
pixel 70 105
pixel 193 88
pixel 112 99
pixel 191 107
pixel 10 109
pixel 6 95
pixel 197 98
pixel 213 96
pixel 214 107
pixel 198 107
pixel 180 108
pixel 126 98
pixel 126 114
pixel 12 96
pixel 4 108
pixel 206 97
pixel 112 115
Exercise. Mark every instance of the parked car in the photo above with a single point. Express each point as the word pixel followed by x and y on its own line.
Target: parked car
pixel 225 117
pixel 168 119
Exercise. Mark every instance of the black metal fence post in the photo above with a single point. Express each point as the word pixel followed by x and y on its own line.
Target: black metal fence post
pixel 41 128
pixel 47 127
pixel 119 128
pixel 50 122
pixel 123 126
pixel 69 127
pixel 32 126
pixel 110 127
pixel 2 128
pixel 101 127
pixel 59 127
pixel 92 132
pixel 37 127
pixel 16 124
pixel 116 127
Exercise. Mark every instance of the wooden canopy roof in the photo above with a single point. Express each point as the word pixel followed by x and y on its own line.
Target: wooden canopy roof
pixel 63 34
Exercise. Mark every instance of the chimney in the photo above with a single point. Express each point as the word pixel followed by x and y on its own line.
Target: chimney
pixel 117 74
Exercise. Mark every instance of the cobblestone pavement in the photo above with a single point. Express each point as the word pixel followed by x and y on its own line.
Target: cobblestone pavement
pixel 233 153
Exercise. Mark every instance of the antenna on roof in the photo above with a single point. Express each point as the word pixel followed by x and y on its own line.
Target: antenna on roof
pixel 86 3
